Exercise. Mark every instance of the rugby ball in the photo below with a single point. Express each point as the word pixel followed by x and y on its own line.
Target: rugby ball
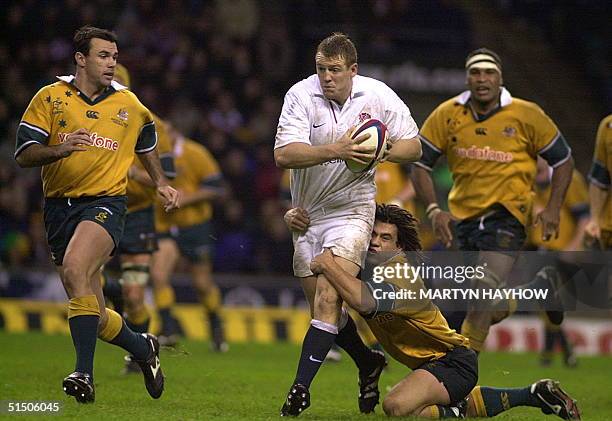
pixel 378 139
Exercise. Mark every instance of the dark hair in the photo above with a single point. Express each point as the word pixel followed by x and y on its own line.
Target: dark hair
pixel 407 233
pixel 339 45
pixel 83 36
pixel 486 51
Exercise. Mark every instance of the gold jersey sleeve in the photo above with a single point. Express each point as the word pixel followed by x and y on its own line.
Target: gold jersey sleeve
pixel 195 167
pixel 412 330
pixel 118 125
pixel 575 207
pixel 141 196
pixel 492 159
pixel 601 169
pixel 390 181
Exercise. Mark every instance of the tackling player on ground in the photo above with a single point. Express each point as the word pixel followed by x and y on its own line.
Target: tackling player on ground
pixel 84 131
pixel 414 332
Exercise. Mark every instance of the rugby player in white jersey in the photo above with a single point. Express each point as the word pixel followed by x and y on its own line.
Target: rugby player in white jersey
pixel 337 206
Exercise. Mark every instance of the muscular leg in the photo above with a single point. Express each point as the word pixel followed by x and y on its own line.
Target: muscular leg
pixel 163 264
pixel 210 297
pixel 415 394
pixel 481 315
pixel 134 278
pixel 87 250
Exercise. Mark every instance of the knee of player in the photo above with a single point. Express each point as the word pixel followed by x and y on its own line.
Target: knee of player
pixel 392 406
pixel 74 271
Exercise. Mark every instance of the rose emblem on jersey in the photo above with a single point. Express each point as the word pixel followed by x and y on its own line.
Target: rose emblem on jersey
pixel 364 116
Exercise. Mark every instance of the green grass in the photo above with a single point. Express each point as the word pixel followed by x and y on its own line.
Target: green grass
pixel 250 382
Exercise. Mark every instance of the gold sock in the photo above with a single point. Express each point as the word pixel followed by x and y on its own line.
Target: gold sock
pixel 83 306
pixel 164 297
pixel 211 299
pixel 113 326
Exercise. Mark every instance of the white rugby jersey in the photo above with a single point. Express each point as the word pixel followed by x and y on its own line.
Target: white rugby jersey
pixel 308 117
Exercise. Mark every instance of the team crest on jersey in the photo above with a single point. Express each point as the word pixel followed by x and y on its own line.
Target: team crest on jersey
pixel 121 118
pixel 364 116
pixel 122 114
pixel 102 217
pixel 509 131
pixel 58 106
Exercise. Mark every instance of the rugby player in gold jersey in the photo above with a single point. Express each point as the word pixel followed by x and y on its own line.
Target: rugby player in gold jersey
pixel 413 331
pixel 84 131
pixel 491 141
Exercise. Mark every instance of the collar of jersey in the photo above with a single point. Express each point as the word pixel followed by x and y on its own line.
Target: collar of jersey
pixel 505 98
pixel 115 86
pixel 355 91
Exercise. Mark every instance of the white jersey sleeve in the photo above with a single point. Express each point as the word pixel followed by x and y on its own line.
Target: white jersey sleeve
pixel 293 124
pixel 398 120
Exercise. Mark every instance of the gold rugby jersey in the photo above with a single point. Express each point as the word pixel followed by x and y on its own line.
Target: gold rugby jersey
pixel 413 331
pixel 602 167
pixel 195 167
pixel 141 196
pixel 118 123
pixel 390 181
pixel 575 207
pixel 492 158
pixel 285 188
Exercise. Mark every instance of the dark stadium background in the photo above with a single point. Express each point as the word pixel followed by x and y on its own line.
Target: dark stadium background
pixel 219 69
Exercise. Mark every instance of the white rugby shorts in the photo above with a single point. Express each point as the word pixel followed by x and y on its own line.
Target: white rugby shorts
pixel 346 232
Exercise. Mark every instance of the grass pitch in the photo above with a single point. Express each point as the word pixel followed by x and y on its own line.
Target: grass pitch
pixel 251 380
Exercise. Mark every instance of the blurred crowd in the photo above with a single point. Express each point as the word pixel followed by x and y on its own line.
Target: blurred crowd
pixel 218 70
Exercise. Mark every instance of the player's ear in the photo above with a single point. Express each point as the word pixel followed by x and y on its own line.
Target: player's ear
pixel 79 59
pixel 354 67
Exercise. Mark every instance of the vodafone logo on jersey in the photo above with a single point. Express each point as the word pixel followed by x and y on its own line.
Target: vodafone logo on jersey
pixel 98 141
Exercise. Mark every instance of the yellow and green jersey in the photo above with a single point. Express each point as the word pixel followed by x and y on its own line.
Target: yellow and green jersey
pixel 118 125
pixel 602 167
pixel 390 180
pixel 575 207
pixel 141 196
pixel 413 331
pixel 492 158
pixel 195 168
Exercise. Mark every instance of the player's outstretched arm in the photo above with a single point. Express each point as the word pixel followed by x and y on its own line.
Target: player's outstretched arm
pixel 405 151
pixel 302 155
pixel 168 195
pixel 37 154
pixel 440 220
pixel 351 289
pixel 549 217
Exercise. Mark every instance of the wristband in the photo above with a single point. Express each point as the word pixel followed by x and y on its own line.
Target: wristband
pixel 433 213
pixel 431 207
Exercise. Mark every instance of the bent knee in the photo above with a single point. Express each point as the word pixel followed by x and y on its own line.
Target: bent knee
pixel 393 407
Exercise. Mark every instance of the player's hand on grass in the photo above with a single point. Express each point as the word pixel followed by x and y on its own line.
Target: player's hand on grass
pixel 351 149
pixel 441 221
pixel 297 219
pixel 320 261
pixel 169 196
pixel 75 142
pixel 549 219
